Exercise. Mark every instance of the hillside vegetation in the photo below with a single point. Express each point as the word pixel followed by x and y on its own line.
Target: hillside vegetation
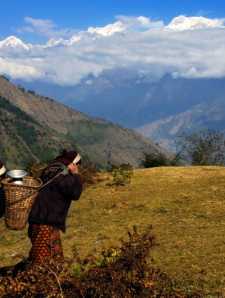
pixel 34 128
pixel 24 140
pixel 185 205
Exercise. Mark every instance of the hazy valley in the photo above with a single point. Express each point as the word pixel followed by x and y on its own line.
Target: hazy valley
pixel 160 109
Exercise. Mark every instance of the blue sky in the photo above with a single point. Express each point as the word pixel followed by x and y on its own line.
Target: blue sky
pixel 65 41
pixel 82 14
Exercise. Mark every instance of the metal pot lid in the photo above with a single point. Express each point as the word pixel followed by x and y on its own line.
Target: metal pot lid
pixel 17 174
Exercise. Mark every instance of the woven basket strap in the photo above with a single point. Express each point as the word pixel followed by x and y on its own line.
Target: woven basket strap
pixel 49 181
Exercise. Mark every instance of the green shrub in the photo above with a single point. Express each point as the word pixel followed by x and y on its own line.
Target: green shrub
pixel 155 160
pixel 122 174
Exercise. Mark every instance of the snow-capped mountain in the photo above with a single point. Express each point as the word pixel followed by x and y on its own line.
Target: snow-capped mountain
pixel 182 48
pixel 133 71
pixel 15 43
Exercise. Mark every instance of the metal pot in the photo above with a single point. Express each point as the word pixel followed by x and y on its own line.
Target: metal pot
pixel 17 174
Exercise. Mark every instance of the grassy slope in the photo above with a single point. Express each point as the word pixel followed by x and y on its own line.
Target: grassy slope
pixel 186 207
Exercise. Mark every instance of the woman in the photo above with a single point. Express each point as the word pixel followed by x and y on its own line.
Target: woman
pixel 48 215
pixel 2 196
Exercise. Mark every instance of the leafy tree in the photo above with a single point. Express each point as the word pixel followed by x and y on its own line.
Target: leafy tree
pixel 205 147
pixel 155 160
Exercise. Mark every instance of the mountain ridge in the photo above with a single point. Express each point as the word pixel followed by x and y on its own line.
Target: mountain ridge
pixel 202 116
pixel 155 108
pixel 55 126
pixel 114 89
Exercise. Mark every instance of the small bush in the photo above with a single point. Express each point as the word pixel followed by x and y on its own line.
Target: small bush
pixel 121 174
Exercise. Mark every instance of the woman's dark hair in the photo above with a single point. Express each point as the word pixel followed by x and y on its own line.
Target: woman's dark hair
pixel 66 157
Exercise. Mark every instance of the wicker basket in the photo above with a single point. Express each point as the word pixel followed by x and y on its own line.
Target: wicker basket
pixel 19 200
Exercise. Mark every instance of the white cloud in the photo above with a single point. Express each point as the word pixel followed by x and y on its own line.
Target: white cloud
pixel 40 24
pixel 44 27
pixel 125 23
pixel 187 46
pixel 181 23
pixel 139 23
pixel 17 69
pixel 109 29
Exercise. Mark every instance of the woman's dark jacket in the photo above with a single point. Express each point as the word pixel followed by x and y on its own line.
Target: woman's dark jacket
pixel 2 201
pixel 53 201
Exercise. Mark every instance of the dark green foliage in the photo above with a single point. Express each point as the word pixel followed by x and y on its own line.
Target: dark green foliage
pixel 118 273
pixel 155 160
pixel 152 160
pixel 45 153
pixel 121 174
pixel 27 141
pixel 88 133
pixel 5 77
pixel 21 88
pixel 28 133
pixel 176 160
pixel 31 92
pixel 6 105
pixel 205 147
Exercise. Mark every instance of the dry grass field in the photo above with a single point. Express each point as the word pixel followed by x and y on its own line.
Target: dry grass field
pixel 185 206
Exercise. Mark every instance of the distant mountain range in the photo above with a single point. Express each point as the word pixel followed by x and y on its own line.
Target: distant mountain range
pixel 35 128
pixel 13 43
pixel 160 109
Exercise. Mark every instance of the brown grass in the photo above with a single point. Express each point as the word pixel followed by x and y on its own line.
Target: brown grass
pixel 185 205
